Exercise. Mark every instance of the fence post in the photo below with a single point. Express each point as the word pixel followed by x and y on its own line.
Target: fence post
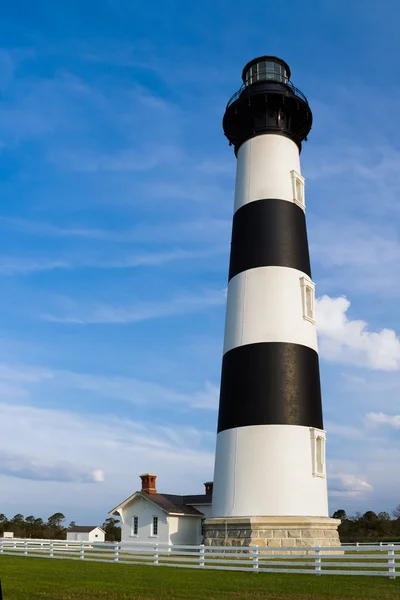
pixel 51 547
pixel 82 552
pixel 116 551
pixel 156 554
pixel 391 562
pixel 256 554
pixel 1 551
pixel 317 562
pixel 25 548
pixel 201 555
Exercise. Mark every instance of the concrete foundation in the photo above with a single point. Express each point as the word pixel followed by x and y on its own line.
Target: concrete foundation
pixel 274 532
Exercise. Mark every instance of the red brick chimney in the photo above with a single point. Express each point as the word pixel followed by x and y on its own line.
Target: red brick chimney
pixel 209 488
pixel 149 483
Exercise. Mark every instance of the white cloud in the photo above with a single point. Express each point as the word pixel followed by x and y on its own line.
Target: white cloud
pixel 98 475
pixel 349 341
pixel 24 467
pixel 141 311
pixel 383 419
pixel 347 485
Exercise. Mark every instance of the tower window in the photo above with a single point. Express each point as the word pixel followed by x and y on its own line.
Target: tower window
pixel 298 189
pixel 308 298
pixel 135 525
pixel 318 452
pixel 320 442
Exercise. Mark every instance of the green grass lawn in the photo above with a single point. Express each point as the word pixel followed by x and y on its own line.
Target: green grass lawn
pixel 42 578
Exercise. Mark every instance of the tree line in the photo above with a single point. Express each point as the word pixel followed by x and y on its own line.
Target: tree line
pixel 369 526
pixel 51 529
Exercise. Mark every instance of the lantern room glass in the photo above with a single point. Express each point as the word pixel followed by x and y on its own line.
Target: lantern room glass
pixel 266 70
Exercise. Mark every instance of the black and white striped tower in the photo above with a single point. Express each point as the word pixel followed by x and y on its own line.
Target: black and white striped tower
pixel 269 479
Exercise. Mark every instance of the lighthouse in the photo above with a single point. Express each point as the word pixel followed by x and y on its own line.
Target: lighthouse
pixel 270 485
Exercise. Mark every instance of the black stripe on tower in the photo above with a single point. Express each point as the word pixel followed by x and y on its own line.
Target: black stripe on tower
pixel 274 383
pixel 269 232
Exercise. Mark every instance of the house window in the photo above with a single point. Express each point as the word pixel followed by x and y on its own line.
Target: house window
pixel 95 535
pixel 298 189
pixel 318 452
pixel 308 298
pixel 135 526
pixel 154 527
pixel 203 529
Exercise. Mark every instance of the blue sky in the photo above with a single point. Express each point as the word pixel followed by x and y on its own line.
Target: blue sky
pixel 116 188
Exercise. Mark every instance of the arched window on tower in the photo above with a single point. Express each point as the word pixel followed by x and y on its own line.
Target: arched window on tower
pixel 318 452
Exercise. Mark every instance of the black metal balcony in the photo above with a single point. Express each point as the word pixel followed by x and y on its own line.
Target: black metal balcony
pixel 268 89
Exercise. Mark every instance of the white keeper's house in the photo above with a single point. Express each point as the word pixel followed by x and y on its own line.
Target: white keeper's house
pixel 149 516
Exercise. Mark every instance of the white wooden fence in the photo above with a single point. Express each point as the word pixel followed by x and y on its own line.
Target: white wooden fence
pixel 374 559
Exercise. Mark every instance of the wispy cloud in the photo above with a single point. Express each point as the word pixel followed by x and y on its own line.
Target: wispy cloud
pixel 357 255
pixel 379 418
pixel 34 381
pixel 135 391
pixel 141 311
pixel 24 266
pixel 17 380
pixel 370 171
pixel 346 485
pixel 350 432
pixel 121 161
pixel 200 231
pixel 24 373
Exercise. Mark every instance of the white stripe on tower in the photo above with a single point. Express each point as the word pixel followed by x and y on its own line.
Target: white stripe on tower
pixel 270 455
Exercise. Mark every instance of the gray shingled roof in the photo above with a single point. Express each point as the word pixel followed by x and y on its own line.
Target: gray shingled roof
pixel 172 503
pixel 197 499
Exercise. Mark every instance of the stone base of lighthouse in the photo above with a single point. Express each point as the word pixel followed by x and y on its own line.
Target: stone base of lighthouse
pixel 274 532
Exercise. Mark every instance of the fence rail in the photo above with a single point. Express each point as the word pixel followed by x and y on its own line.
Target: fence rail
pixel 349 559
